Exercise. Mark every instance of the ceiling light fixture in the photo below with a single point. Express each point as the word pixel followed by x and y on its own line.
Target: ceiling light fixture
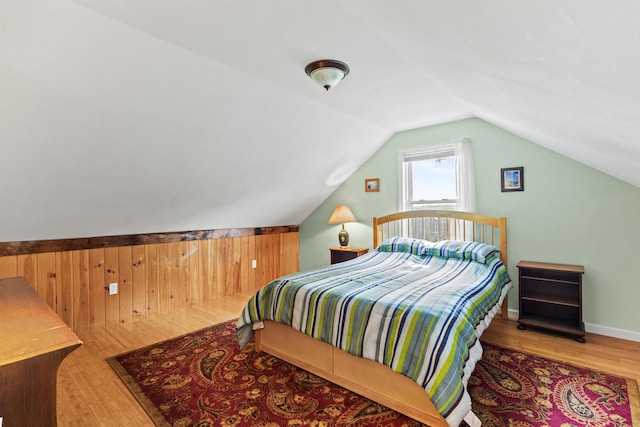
pixel 327 72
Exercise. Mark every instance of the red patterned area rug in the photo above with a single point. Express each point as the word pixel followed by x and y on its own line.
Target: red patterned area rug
pixel 204 379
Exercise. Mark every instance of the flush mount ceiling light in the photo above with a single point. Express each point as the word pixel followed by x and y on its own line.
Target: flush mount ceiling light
pixel 327 72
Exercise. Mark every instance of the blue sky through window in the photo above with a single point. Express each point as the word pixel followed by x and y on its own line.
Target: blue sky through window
pixel 434 179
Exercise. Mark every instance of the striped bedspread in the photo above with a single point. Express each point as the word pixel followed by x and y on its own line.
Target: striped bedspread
pixel 412 311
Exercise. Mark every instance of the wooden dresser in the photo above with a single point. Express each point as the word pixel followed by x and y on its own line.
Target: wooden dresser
pixel 33 342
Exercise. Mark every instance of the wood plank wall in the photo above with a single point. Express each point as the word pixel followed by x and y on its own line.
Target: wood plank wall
pixel 152 278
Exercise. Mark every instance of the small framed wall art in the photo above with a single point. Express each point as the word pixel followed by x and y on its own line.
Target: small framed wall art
pixel 371 185
pixel 512 179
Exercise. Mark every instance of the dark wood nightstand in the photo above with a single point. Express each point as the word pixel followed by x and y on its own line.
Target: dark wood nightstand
pixel 551 297
pixel 340 254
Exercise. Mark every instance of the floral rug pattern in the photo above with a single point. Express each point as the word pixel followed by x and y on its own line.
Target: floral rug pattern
pixel 204 379
pixel 509 388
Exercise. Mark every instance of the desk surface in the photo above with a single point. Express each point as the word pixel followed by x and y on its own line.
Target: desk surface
pixel 28 326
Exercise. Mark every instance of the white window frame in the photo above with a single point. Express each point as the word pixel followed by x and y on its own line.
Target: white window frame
pixel 465 187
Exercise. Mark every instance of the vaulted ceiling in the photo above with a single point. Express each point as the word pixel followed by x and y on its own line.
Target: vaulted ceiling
pixel 131 116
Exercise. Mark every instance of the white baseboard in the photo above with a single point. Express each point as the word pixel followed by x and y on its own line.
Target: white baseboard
pixel 612 332
pixel 599 329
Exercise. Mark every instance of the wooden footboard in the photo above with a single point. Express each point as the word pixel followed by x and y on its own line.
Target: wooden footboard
pixel 365 377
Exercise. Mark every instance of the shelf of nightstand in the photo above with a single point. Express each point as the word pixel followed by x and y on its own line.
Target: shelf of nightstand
pixel 559 325
pixel 552 301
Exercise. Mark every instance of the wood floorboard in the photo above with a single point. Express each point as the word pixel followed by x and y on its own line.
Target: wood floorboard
pixel 90 393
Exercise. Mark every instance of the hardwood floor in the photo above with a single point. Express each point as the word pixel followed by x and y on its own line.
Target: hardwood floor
pixel 89 392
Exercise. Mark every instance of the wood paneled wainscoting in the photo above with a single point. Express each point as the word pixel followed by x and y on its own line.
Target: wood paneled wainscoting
pixel 156 273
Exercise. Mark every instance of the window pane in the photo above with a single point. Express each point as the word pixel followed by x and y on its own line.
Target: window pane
pixel 433 206
pixel 434 179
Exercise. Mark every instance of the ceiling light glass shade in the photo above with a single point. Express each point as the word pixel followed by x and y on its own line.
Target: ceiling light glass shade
pixel 327 72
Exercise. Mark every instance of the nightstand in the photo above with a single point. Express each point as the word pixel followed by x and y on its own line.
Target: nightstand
pixel 551 297
pixel 340 254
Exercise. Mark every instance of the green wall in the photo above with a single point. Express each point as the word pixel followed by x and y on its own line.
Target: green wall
pixel 569 213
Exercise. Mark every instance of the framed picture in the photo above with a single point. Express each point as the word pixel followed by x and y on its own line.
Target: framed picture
pixel 512 179
pixel 371 184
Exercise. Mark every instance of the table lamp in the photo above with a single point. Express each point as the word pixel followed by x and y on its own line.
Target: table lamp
pixel 340 215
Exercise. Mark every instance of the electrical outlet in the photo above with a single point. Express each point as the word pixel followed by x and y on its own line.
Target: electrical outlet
pixel 254 264
pixel 113 288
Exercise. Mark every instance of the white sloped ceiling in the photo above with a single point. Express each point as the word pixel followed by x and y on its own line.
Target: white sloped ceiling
pixel 142 116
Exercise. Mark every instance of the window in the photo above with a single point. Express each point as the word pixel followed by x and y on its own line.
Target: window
pixel 437 177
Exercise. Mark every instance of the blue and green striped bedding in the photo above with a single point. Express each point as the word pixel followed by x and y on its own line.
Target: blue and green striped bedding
pixel 415 306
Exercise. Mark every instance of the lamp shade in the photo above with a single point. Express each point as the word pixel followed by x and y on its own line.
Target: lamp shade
pixel 327 72
pixel 341 214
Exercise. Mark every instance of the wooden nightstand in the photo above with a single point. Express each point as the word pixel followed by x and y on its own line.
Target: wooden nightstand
pixel 340 254
pixel 551 297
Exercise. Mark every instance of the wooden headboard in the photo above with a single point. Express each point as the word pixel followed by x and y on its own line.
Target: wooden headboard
pixel 438 225
pixel 443 225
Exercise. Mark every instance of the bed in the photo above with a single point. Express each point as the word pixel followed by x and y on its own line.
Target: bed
pixel 412 312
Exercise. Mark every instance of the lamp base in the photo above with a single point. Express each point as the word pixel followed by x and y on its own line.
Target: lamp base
pixel 343 237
